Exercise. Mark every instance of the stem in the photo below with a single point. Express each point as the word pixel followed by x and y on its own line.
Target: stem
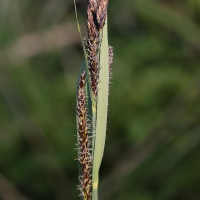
pixel 95 193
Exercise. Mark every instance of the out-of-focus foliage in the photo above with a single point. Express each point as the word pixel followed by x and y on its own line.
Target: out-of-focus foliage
pixel 153 141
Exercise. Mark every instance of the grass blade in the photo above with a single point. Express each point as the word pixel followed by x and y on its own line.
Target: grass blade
pixel 102 107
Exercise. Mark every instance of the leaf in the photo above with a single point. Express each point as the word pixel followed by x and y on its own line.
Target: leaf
pixel 102 108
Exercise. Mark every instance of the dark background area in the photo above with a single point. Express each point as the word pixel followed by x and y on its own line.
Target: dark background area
pixel 153 139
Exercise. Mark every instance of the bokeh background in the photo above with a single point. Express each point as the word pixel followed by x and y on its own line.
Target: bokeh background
pixel 153 138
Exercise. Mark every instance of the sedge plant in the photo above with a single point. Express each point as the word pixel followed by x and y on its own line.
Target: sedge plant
pixel 92 97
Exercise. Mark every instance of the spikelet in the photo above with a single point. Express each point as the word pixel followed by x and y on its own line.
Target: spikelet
pixel 110 56
pixel 96 15
pixel 101 13
pixel 110 62
pixel 84 154
pixel 91 44
pixel 93 4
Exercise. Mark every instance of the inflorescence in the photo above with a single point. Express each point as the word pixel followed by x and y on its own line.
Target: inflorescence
pixel 96 16
pixel 84 153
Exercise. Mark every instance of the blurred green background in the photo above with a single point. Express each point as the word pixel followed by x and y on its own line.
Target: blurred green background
pixel 153 138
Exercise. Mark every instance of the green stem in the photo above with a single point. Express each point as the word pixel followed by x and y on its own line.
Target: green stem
pixel 95 193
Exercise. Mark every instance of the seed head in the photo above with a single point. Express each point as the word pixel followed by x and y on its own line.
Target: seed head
pixel 84 154
pixel 110 56
pixel 101 12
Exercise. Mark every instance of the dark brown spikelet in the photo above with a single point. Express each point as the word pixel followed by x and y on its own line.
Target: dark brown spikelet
pixel 110 56
pixel 92 44
pixel 93 4
pixel 84 154
pixel 96 15
pixel 101 12
pixel 110 62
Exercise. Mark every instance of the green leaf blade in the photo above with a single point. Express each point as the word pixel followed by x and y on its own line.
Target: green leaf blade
pixel 102 108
